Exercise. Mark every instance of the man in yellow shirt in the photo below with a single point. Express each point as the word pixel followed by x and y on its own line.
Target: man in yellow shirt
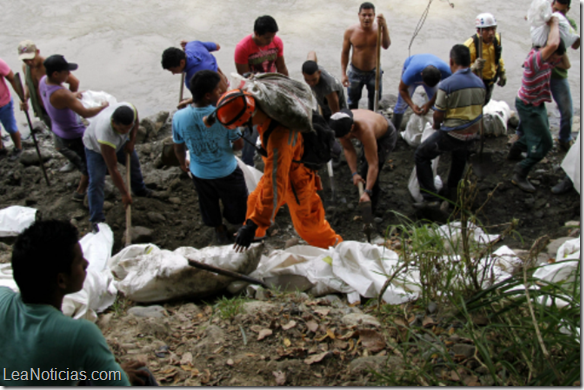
pixel 491 64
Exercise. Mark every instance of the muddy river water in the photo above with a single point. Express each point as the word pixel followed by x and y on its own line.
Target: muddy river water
pixel 118 44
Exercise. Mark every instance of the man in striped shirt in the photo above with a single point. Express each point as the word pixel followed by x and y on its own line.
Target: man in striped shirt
pixel 457 113
pixel 534 92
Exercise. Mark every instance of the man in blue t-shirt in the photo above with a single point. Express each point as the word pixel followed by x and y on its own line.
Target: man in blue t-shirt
pixel 213 167
pixel 40 345
pixel 195 56
pixel 420 69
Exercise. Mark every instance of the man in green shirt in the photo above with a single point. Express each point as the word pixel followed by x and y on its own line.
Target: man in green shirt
pixel 560 87
pixel 39 344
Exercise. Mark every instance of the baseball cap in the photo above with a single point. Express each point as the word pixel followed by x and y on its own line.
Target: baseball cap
pixel 58 63
pixel 26 50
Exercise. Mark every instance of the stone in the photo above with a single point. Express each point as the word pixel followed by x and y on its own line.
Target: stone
pixel 552 248
pixel 432 307
pixel 463 349
pixel 357 319
pixel 253 307
pixel 154 311
pixel 175 200
pixel 156 217
pixel 162 116
pixel 572 224
pixel 291 242
pixel 30 157
pixel 377 220
pixel 377 363
pixel 107 205
pixel 351 207
pixel 141 235
pixel 141 135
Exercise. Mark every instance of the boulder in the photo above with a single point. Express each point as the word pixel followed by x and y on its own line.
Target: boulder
pixel 30 157
pixel 154 311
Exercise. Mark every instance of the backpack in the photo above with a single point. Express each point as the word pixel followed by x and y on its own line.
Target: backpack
pixel 318 145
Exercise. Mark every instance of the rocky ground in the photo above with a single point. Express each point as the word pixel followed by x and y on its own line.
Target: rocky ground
pixel 286 339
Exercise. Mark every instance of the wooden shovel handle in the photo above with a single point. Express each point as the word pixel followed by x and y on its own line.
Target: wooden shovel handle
pixel 129 208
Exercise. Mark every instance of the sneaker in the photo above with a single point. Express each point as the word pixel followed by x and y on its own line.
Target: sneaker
pixel 565 145
pixel 67 167
pixel 15 154
pixel 77 197
pixel 145 193
pixel 94 227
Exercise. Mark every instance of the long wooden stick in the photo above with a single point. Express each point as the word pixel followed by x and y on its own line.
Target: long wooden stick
pixel 481 131
pixel 224 272
pixel 377 69
pixel 129 208
pixel 182 87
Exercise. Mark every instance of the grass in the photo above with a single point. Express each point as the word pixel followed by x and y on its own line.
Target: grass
pixel 228 308
pixel 530 329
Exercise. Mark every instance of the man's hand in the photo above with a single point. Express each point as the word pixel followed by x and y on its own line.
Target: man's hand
pixel 126 199
pixel 184 167
pixel 245 236
pixel 183 43
pixel 358 179
pixel 425 108
pixel 364 198
pixel 135 376
pixel 478 65
pixel 104 104
pixel 417 110
pixel 502 80
pixel 381 21
pixel 345 80
pixel 129 147
pixel 23 106
pixel 183 103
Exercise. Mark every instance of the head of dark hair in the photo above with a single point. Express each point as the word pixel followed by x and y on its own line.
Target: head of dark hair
pixel 40 253
pixel 202 83
pixel 460 54
pixel 341 122
pixel 171 57
pixel 123 115
pixel 561 50
pixel 366 5
pixel 265 24
pixel 309 67
pixel 431 75
pixel 565 2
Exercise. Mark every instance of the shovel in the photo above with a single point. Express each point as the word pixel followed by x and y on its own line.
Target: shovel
pixel 129 208
pixel 482 163
pixel 365 209
pixel 377 70
pixel 20 93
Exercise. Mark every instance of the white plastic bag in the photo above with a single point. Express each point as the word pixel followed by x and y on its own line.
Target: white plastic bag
pixel 539 34
pixel 91 99
pixel 286 100
pixel 413 184
pixel 571 163
pixel 417 123
pixel 14 219
pixel 496 115
pixel 540 11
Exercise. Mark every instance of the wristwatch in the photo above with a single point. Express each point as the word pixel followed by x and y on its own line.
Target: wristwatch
pixel 369 192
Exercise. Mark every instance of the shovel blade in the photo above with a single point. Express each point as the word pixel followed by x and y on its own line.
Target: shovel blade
pixel 367 214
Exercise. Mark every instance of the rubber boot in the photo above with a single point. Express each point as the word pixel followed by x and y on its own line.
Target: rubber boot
pixel 520 179
pixel 563 186
pixel 515 152
pixel 397 120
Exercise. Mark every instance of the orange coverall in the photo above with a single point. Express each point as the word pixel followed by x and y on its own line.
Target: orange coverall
pixel 274 190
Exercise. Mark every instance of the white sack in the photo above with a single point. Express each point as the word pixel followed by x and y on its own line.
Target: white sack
pixel 571 163
pixel 496 114
pixel 413 185
pixel 539 34
pixel 14 219
pixel 417 123
pixel 91 99
pixel 251 175
pixel 146 273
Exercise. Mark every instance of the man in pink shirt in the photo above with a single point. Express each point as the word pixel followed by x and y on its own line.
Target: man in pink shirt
pixel 260 52
pixel 7 112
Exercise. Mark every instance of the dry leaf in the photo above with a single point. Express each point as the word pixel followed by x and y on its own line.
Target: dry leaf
pixel 289 325
pixel 316 358
pixel 341 344
pixel 348 335
pixel 207 377
pixel 256 328
pixel 471 380
pixel 451 331
pixel 357 218
pixel 229 362
pixel 330 333
pixel 454 376
pixel 187 359
pixel 280 377
pixel 264 333
pixel 287 342
pixel 428 322
pixel 316 374
pixel 312 326
pixel 322 312
pixel 372 340
pixel 313 349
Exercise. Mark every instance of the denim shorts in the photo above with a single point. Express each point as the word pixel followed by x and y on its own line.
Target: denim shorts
pixel 7 118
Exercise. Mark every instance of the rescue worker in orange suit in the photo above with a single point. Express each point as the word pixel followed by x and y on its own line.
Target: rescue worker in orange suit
pixel 284 181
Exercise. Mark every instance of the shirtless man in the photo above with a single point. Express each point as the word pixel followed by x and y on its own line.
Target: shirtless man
pixel 33 70
pixel 362 38
pixel 378 137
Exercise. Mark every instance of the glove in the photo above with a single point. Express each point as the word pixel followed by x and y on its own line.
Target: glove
pixel 502 80
pixel 478 65
pixel 245 235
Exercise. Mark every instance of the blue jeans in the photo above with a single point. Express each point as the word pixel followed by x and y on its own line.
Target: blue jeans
pixel 401 106
pixel 97 170
pixel 358 79
pixel 435 145
pixel 561 92
pixel 248 150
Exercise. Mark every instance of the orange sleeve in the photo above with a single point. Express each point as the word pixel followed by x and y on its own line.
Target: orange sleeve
pixel 276 178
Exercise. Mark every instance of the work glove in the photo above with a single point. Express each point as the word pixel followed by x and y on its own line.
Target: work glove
pixel 502 80
pixel 478 65
pixel 245 236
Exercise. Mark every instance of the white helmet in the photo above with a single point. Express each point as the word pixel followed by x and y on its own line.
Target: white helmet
pixel 485 20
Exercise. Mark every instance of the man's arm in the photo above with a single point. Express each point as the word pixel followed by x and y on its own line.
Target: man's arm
pixel 12 80
pixel 64 98
pixel 438 119
pixel 237 145
pixel 405 95
pixel 565 63
pixel 576 44
pixel 311 56
pixel 281 66
pixel 73 82
pixel 426 107
pixel 333 102
pixel 132 141
pixel 181 154
pixel 345 56
pixel 351 157
pixel 385 40
pixel 242 68
pixel 553 39
pixel 111 161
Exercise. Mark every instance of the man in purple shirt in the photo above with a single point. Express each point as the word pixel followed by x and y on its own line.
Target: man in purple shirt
pixel 63 107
